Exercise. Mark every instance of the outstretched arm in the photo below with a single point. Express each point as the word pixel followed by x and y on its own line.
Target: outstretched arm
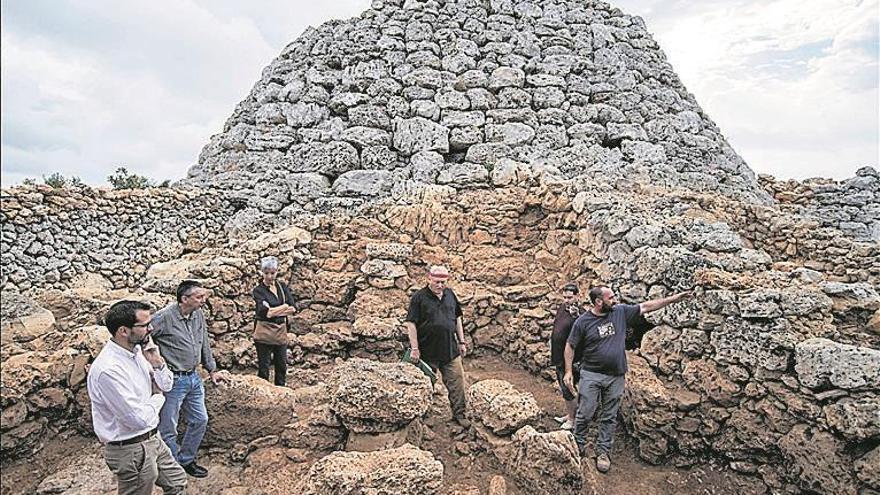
pixel 655 304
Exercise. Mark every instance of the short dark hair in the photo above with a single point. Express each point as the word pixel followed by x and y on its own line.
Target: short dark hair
pixel 184 288
pixel 596 293
pixel 570 287
pixel 123 314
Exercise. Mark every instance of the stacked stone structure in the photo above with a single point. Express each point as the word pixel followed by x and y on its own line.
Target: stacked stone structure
pixel 436 92
pixel 525 145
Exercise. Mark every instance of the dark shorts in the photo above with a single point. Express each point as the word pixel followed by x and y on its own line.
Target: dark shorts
pixel 560 374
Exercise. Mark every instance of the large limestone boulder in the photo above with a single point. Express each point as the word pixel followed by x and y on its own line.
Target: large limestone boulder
pixel 373 397
pixel 852 296
pixel 543 463
pixel 501 407
pixel 405 469
pixel 817 460
pixel 245 408
pixel 857 419
pixel 821 363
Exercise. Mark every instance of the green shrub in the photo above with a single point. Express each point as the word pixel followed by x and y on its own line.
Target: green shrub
pixel 58 181
pixel 123 179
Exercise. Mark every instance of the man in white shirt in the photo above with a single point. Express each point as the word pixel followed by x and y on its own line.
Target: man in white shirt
pixel 125 385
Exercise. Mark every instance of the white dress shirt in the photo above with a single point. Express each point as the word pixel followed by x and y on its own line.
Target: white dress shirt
pixel 121 391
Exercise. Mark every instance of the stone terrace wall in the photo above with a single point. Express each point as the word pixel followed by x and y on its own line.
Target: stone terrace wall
pixel 852 206
pixel 48 236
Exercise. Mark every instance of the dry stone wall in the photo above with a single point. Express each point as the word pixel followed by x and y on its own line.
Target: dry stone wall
pixel 49 236
pixel 437 92
pixel 851 206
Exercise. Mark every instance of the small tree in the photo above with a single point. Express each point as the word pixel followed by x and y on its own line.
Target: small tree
pixel 58 181
pixel 123 179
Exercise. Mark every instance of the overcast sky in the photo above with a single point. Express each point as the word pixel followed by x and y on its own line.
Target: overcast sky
pixel 91 85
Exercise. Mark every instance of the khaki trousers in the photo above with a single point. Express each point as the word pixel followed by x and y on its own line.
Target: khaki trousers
pixel 140 466
pixel 454 380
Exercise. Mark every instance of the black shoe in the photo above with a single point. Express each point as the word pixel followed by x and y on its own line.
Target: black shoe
pixel 195 470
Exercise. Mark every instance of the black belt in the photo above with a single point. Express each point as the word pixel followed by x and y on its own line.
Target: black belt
pixel 185 372
pixel 138 439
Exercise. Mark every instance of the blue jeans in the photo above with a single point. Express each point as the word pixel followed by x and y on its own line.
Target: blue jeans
pixel 603 392
pixel 188 394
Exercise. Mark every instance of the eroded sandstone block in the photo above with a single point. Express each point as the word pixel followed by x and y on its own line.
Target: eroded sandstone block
pixel 405 469
pixel 373 397
pixel 246 408
pixel 501 407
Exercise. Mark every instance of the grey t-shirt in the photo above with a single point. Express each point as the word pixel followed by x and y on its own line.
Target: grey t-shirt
pixel 604 339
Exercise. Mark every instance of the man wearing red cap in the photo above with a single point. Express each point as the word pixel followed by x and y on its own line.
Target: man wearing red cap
pixel 436 336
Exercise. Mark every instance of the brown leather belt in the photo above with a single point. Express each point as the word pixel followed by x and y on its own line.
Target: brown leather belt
pixel 138 439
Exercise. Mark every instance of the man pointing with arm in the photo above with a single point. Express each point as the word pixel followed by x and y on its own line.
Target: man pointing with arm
pixel 602 332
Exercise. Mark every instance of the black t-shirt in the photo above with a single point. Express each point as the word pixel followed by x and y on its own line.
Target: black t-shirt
pixel 565 317
pixel 435 321
pixel 604 339
pixel 265 299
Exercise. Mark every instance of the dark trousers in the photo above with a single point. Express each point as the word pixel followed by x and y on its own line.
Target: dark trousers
pixel 602 392
pixel 272 354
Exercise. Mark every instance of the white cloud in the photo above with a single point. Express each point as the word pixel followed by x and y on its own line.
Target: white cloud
pixel 792 84
pixel 88 86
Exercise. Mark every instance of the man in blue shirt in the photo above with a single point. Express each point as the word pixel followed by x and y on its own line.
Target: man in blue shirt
pixel 602 333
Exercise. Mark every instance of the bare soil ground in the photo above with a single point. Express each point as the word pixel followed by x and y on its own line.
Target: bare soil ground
pixel 464 465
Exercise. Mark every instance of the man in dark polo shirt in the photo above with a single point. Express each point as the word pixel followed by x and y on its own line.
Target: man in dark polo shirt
pixel 602 333
pixel 436 336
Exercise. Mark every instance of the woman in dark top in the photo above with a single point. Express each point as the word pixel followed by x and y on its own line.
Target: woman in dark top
pixel 273 305
pixel 567 313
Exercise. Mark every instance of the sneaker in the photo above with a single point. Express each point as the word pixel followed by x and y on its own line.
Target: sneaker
pixel 195 470
pixel 603 463
pixel 567 425
pixel 560 419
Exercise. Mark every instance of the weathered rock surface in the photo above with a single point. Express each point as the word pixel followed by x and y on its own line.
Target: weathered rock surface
pixel 544 463
pixel 822 363
pixel 373 397
pixel 246 408
pixel 405 469
pixel 819 460
pixel 501 407
pixel 320 431
pixel 857 419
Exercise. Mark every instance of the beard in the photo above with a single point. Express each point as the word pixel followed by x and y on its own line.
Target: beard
pixel 606 308
pixel 141 342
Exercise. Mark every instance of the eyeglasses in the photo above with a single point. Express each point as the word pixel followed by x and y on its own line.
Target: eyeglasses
pixel 147 325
